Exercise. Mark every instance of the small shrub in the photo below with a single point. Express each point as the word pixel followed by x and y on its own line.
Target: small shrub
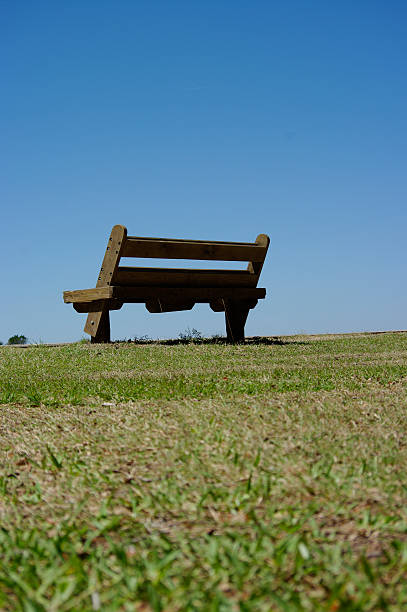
pixel 145 338
pixel 189 335
pixel 18 339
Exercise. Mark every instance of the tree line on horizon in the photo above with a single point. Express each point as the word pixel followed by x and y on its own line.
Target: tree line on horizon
pixel 17 339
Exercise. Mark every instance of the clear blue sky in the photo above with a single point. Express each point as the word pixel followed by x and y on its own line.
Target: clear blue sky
pixel 218 120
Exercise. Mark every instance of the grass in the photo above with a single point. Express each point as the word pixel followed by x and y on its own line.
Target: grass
pixel 202 476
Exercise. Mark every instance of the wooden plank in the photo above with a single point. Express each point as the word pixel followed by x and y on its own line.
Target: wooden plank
pixel 178 277
pixel 196 294
pixel 140 294
pixel 255 267
pixel 87 295
pixel 106 276
pixel 181 240
pixel 112 256
pixel 192 249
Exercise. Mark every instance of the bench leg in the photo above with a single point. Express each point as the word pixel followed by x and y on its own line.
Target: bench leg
pixel 235 317
pixel 103 329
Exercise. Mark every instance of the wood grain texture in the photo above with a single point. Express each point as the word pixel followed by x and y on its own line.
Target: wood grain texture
pixel 112 256
pixel 198 294
pixel 178 277
pixel 107 272
pixel 141 294
pixel 255 267
pixel 192 249
pixel 87 295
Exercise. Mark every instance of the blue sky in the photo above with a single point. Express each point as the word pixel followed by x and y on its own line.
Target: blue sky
pixel 208 120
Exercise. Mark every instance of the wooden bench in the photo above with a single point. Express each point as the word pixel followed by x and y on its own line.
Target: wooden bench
pixel 169 289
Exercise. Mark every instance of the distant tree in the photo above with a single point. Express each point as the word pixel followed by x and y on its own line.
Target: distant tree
pixel 18 339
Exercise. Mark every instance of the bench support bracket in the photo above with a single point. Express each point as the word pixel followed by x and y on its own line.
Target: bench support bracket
pixel 98 323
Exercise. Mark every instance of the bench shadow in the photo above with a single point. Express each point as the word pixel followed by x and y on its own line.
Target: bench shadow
pixel 271 340
pixel 255 340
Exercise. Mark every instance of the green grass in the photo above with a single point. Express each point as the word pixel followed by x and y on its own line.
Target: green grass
pixel 202 476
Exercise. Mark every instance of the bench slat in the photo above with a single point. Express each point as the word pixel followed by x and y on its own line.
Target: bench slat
pixel 179 277
pixel 197 294
pixel 141 294
pixel 193 249
pixel 88 295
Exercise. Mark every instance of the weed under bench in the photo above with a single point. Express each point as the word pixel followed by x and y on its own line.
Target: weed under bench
pixel 234 292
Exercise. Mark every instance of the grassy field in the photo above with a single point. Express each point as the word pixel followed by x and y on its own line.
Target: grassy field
pixel 269 476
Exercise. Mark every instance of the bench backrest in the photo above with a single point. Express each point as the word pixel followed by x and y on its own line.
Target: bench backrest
pixel 120 245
